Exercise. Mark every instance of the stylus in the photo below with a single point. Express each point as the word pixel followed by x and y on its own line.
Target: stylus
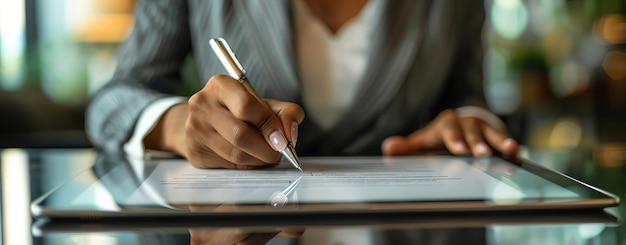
pixel 235 70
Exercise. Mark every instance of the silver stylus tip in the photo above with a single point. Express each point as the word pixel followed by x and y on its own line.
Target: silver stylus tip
pixel 291 156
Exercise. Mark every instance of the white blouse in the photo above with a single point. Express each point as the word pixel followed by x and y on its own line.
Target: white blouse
pixel 331 65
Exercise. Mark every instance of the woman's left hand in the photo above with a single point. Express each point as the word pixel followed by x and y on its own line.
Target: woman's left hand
pixel 459 135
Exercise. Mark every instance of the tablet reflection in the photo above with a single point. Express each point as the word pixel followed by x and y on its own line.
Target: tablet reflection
pixel 281 198
pixel 238 236
pixel 234 235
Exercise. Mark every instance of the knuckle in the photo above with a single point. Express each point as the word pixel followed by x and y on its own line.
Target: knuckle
pixel 198 104
pixel 216 80
pixel 293 107
pixel 244 106
pixel 472 121
pixel 237 156
pixel 448 113
pixel 446 119
pixel 195 101
pixel 266 121
pixel 241 136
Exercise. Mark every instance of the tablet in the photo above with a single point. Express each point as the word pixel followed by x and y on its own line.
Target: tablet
pixel 124 188
pixel 387 221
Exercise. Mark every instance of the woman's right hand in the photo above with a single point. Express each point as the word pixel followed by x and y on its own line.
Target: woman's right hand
pixel 225 126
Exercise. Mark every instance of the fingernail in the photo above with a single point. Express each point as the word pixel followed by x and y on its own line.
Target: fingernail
pixel 481 149
pixel 459 146
pixel 294 133
pixel 278 140
pixel 510 146
pixel 508 141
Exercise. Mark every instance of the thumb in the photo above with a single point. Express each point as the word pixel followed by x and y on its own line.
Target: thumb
pixel 290 115
pixel 270 126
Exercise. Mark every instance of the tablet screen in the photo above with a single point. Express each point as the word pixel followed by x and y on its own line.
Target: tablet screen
pixel 424 183
pixel 364 180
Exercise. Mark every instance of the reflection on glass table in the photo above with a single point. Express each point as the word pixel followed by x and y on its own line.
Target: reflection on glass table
pixel 43 169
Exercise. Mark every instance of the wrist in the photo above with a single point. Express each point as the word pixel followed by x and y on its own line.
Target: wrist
pixel 169 132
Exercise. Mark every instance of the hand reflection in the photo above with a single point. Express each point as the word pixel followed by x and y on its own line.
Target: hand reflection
pixel 280 198
pixel 236 235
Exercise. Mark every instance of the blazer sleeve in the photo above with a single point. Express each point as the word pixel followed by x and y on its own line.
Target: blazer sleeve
pixel 464 85
pixel 148 69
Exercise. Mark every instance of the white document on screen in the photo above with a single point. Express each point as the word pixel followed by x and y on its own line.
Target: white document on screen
pixel 345 180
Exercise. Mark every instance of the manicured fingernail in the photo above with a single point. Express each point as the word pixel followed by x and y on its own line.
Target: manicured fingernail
pixel 508 141
pixel 481 149
pixel 278 140
pixel 294 133
pixel 459 146
pixel 510 146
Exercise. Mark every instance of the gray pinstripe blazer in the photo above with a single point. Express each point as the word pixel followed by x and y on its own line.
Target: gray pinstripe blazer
pixel 426 57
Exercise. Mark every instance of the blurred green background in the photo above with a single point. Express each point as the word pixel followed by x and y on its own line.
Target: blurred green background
pixel 555 69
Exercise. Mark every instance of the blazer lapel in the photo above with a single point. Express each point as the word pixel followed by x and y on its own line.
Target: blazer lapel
pixel 273 40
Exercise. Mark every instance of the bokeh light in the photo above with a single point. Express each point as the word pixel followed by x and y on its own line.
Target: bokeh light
pixel 588 231
pixel 614 64
pixel 543 15
pixel 611 154
pixel 611 29
pixel 567 133
pixel 12 22
pixel 569 78
pixel 509 18
pixel 501 93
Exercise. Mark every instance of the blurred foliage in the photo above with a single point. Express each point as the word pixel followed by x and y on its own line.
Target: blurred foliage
pixel 528 59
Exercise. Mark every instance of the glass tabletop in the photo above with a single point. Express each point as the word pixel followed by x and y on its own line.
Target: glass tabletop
pixel 29 173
